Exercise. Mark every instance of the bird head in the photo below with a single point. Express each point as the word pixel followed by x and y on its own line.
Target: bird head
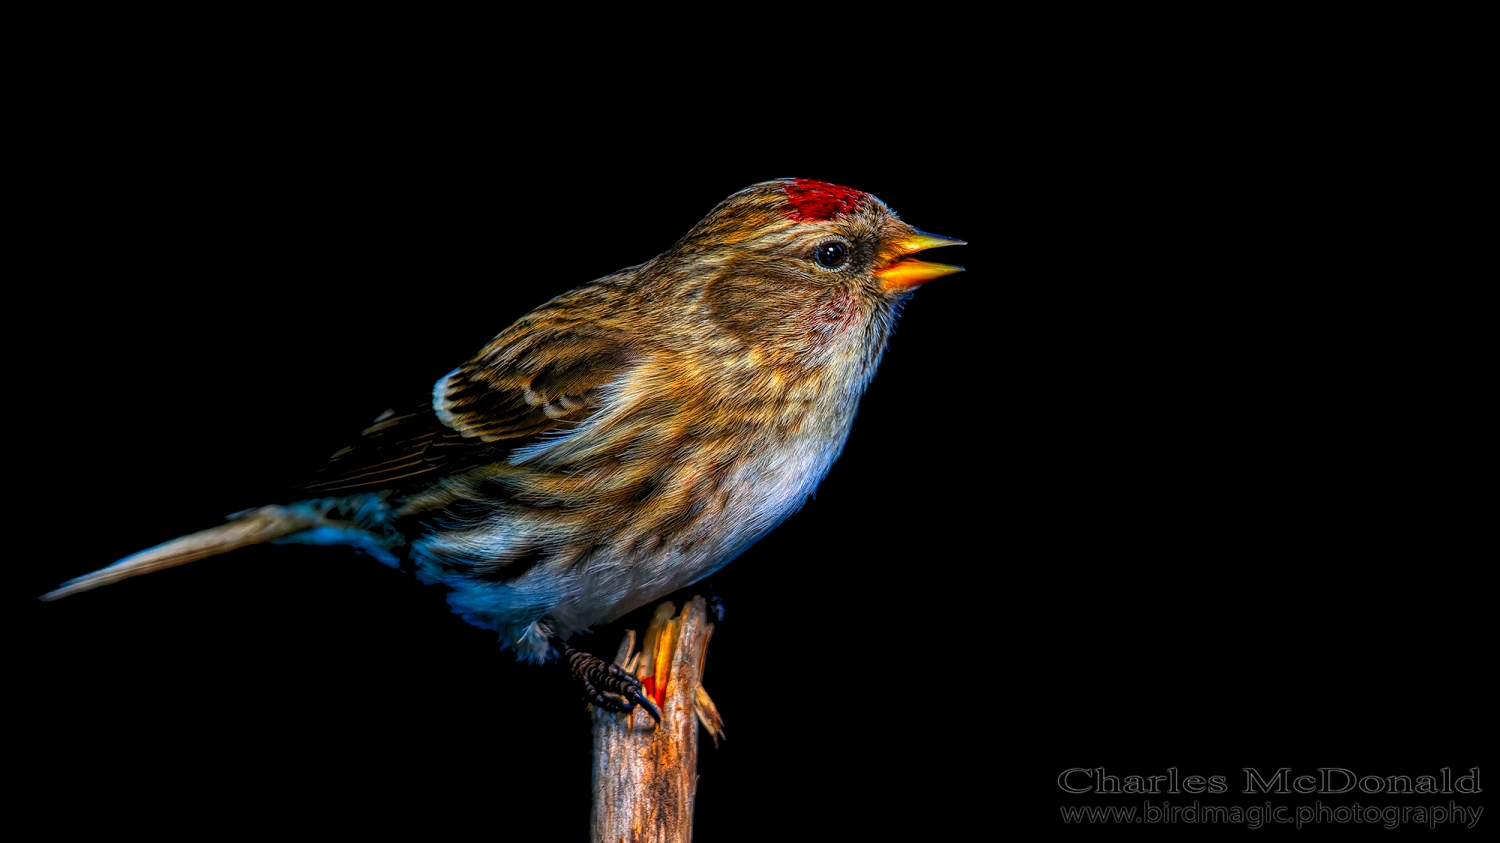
pixel 795 265
pixel 817 232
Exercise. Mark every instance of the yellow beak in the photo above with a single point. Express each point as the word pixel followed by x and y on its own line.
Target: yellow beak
pixel 908 273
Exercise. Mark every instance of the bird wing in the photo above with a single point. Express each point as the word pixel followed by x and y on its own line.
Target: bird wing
pixel 532 383
pixel 531 380
pixel 399 449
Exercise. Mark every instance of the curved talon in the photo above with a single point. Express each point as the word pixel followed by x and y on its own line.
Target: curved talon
pixel 606 685
pixel 646 703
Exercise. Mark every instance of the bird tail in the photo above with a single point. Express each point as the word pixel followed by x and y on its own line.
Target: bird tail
pixel 253 526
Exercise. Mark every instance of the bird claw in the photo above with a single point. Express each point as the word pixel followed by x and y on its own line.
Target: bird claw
pixel 646 703
pixel 606 685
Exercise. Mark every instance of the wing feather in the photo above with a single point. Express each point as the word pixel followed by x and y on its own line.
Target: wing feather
pixel 539 376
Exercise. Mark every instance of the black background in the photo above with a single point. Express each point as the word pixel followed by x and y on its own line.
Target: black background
pixel 1166 479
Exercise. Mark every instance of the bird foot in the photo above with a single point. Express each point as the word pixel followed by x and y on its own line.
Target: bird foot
pixel 605 684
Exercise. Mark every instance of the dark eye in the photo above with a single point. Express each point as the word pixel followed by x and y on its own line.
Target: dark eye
pixel 830 254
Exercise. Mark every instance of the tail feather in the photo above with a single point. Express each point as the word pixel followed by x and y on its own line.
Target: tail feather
pixel 250 527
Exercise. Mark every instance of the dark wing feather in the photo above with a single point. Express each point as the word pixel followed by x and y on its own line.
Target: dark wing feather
pixel 540 375
pixel 549 376
pixel 400 450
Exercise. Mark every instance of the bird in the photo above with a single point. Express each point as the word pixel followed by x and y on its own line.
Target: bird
pixel 622 441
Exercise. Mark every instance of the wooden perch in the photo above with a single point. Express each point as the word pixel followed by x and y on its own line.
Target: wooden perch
pixel 645 776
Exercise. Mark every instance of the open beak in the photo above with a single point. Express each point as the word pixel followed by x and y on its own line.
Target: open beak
pixel 909 272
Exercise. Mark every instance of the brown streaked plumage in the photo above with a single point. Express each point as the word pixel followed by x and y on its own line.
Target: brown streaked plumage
pixel 625 439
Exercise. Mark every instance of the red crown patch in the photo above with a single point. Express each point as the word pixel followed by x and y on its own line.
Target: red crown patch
pixel 818 200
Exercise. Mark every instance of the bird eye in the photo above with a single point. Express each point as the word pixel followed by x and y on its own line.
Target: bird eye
pixel 830 254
